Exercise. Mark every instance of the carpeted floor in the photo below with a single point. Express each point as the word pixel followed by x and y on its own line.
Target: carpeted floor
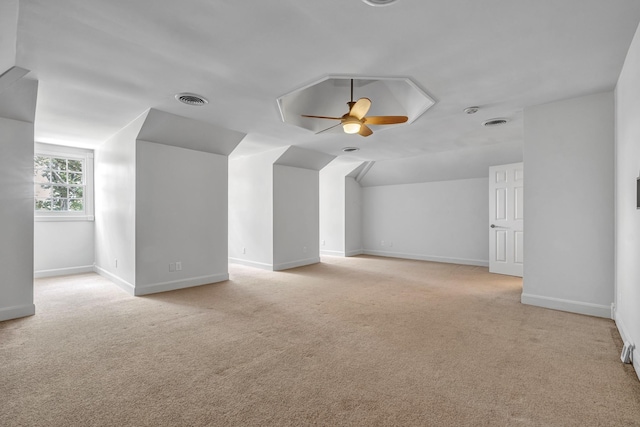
pixel 360 341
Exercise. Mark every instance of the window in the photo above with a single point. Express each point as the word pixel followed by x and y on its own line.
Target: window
pixel 63 183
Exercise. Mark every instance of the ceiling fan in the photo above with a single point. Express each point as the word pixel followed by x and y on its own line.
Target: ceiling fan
pixel 355 121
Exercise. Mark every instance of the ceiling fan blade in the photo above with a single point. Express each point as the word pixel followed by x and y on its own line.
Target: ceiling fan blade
pixel 385 120
pixel 365 130
pixel 322 117
pixel 329 128
pixel 360 108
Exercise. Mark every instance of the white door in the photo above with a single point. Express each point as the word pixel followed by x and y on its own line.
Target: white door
pixel 505 219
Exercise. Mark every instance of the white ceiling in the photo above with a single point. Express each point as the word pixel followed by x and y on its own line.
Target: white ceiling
pixel 101 63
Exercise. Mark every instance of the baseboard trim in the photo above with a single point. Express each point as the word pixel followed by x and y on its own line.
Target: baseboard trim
pixel 254 264
pixel 332 253
pixel 579 307
pixel 122 284
pixel 462 261
pixel 355 252
pixel 17 311
pixel 63 271
pixel 174 285
pixel 294 264
pixel 626 338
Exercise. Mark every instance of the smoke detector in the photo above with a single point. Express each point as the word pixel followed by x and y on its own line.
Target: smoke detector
pixel 191 99
pixel 494 122
pixel 471 110
pixel 379 2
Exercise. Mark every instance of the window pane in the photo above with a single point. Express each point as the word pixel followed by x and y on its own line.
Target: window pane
pixel 42 176
pixel 59 184
pixel 59 205
pixel 59 164
pixel 74 178
pixel 76 205
pixel 75 165
pixel 41 162
pixel 43 204
pixel 76 192
pixel 59 191
pixel 59 177
pixel 42 191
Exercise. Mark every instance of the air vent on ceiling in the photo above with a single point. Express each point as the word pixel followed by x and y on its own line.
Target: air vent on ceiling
pixel 350 149
pixel 494 122
pixel 379 2
pixel 191 99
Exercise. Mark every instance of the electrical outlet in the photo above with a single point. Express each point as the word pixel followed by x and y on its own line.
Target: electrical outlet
pixel 172 267
pixel 178 265
pixel 244 250
pixel 627 352
pixel 324 243
pixel 382 243
pixel 304 249
pixel 116 263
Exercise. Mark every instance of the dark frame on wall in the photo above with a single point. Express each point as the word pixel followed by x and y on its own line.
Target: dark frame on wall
pixel 638 192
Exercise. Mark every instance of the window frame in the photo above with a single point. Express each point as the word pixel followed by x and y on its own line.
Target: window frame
pixel 73 153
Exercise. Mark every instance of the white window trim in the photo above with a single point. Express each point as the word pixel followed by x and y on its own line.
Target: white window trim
pixel 70 152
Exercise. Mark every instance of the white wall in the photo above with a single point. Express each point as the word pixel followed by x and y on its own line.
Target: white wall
pixel 295 217
pixel 63 247
pixel 16 193
pixel 251 209
pixel 340 208
pixel 115 206
pixel 332 211
pixel 181 216
pixel 353 217
pixel 437 221
pixel 568 203
pixel 627 265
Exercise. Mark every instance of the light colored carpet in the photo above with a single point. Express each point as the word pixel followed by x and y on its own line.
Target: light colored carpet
pixel 361 341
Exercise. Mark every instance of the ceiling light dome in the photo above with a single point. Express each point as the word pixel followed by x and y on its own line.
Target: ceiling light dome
pixel 379 2
pixel 351 125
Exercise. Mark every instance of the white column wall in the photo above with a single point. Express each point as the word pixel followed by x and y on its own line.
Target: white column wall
pixel 442 221
pixel 332 211
pixel 115 206
pixel 627 265
pixel 181 216
pixel 16 209
pixel 251 209
pixel 295 217
pixel 569 205
pixel 353 217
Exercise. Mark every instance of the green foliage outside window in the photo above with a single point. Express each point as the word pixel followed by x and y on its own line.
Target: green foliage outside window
pixel 59 184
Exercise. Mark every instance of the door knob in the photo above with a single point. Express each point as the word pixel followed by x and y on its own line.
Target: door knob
pixel 493 226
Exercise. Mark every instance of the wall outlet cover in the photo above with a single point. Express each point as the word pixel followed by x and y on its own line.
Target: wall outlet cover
pixel 625 357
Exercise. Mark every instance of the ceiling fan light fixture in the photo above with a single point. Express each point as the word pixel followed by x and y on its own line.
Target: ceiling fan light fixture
pixel 351 128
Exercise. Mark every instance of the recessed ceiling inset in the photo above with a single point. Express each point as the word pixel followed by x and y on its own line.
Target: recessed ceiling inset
pixel 350 149
pixel 356 120
pixel 328 96
pixel 191 99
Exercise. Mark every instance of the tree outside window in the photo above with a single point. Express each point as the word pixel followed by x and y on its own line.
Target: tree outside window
pixel 59 184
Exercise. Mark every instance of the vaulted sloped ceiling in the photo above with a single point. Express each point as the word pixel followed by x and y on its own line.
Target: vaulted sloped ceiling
pixel 101 63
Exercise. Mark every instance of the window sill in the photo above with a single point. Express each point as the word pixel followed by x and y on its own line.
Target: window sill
pixel 56 218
